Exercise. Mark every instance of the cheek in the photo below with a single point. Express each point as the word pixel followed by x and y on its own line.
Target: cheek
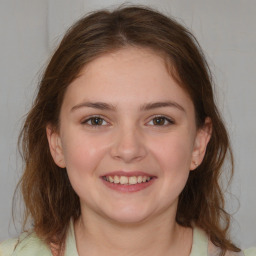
pixel 82 155
pixel 173 156
pixel 174 153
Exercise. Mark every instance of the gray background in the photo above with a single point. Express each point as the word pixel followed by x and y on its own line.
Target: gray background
pixel 30 29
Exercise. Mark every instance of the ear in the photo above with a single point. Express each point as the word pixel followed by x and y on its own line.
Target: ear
pixel 55 146
pixel 201 141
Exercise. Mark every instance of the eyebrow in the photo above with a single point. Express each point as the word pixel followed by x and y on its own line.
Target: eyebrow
pixel 144 107
pixel 154 105
pixel 97 105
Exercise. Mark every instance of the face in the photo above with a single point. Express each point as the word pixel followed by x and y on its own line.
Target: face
pixel 127 137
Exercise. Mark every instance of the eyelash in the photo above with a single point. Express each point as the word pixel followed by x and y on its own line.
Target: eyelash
pixel 86 122
pixel 167 121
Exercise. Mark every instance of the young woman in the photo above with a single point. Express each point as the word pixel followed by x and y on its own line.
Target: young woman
pixel 124 145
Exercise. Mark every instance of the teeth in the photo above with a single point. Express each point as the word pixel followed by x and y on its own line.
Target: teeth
pixel 116 179
pixel 133 180
pixel 127 180
pixel 139 179
pixel 124 180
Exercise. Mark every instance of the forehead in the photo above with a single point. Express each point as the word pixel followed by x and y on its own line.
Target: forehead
pixel 130 75
pixel 123 61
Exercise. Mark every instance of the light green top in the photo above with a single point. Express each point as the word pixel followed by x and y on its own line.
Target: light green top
pixel 31 245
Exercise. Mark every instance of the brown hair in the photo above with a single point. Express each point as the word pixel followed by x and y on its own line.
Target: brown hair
pixel 49 198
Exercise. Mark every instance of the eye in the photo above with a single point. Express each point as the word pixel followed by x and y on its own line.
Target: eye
pixel 161 121
pixel 95 121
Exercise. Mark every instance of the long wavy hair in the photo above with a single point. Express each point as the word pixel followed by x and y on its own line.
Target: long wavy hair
pixel 50 201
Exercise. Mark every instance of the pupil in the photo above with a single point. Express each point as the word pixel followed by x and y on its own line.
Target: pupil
pixel 159 121
pixel 97 121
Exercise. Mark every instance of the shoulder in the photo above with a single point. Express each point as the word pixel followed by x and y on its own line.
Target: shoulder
pixel 7 247
pixel 202 246
pixel 27 244
pixel 250 252
pixel 214 250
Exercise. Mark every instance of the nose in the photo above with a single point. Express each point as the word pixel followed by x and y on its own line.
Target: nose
pixel 128 145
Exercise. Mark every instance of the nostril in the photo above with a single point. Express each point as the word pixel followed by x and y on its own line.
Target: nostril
pixel 128 150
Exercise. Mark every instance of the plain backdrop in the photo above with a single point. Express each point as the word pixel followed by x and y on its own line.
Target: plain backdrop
pixel 31 29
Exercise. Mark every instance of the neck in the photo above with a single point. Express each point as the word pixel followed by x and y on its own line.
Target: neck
pixel 161 235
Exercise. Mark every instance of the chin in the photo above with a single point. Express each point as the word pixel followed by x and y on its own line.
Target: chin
pixel 128 215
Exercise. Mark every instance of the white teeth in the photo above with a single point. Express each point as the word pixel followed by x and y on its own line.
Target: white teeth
pixel 116 179
pixel 132 180
pixel 124 180
pixel 127 180
pixel 139 179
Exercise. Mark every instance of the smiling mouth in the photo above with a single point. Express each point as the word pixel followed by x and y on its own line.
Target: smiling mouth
pixel 123 180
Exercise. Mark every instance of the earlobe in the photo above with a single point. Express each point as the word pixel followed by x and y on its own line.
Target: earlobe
pixel 55 146
pixel 202 139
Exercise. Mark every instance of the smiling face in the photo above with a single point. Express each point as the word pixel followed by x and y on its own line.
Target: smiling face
pixel 125 116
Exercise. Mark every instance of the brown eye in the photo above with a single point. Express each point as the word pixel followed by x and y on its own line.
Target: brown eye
pixel 95 121
pixel 160 121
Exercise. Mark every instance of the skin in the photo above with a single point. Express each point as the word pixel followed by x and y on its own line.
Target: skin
pixel 128 138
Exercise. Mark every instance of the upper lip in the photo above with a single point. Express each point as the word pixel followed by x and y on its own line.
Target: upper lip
pixel 128 174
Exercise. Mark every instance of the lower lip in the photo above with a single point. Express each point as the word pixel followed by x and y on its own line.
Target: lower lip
pixel 129 188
